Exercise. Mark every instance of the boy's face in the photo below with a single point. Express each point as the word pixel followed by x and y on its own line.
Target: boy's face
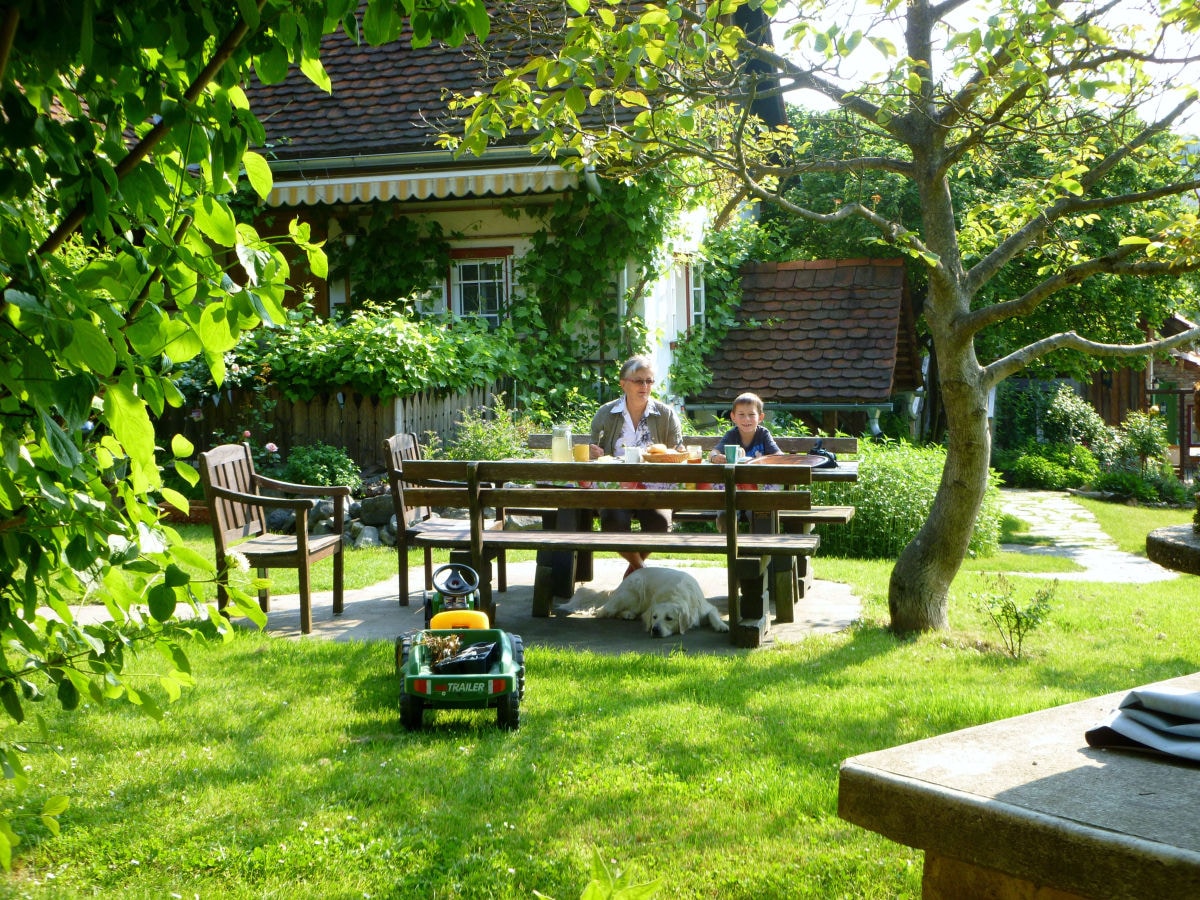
pixel 746 418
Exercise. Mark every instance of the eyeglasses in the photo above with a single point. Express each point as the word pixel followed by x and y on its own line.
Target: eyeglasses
pixel 642 381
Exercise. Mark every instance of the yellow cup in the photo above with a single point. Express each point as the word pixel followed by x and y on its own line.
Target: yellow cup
pixel 583 452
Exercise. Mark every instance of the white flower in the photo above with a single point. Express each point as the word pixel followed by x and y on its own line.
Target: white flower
pixel 239 561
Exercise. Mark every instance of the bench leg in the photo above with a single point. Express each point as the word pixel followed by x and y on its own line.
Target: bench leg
pixel 543 589
pixel 782 588
pixel 750 627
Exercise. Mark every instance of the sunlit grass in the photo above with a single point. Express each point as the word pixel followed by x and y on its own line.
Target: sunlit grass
pixel 1129 525
pixel 285 772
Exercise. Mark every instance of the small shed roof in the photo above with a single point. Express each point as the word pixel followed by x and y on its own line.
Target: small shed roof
pixel 820 334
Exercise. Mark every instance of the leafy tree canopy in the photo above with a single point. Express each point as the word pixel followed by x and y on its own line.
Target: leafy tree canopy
pixel 125 132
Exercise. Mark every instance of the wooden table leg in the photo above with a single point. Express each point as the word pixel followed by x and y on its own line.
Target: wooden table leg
pixel 543 589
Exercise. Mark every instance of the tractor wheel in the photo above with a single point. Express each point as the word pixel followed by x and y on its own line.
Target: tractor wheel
pixel 518 655
pixel 403 645
pixel 412 712
pixel 508 712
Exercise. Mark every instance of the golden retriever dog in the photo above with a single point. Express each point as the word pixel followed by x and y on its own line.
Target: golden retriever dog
pixel 667 601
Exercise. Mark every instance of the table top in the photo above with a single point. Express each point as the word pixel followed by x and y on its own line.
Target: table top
pixel 1028 796
pixel 845 470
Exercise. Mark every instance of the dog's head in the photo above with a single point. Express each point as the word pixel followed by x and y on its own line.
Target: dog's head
pixel 666 618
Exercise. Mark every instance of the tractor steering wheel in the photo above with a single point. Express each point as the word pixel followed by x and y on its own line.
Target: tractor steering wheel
pixel 460 579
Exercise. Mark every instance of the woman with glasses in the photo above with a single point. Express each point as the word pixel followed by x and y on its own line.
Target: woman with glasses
pixel 635 419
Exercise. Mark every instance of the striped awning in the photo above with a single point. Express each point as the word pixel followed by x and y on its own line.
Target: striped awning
pixel 422 185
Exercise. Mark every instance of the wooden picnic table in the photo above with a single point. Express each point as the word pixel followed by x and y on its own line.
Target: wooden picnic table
pixel 515 484
pixel 560 570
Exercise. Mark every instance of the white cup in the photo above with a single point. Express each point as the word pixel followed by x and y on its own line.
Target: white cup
pixel 633 454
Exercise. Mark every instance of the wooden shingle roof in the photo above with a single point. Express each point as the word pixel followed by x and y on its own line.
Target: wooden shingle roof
pixel 823 332
pixel 385 100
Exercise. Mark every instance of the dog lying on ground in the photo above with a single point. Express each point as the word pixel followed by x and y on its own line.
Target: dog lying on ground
pixel 667 600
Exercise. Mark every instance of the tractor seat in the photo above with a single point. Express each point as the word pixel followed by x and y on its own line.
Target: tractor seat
pixel 460 618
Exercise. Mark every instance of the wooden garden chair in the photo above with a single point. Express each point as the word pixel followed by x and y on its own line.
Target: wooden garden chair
pixel 234 492
pixel 396 450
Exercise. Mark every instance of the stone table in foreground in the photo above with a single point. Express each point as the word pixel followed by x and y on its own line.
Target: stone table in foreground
pixel 1024 808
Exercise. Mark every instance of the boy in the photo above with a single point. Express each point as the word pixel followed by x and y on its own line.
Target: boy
pixel 747 433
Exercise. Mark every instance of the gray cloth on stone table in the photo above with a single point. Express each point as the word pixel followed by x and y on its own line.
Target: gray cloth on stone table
pixel 1153 719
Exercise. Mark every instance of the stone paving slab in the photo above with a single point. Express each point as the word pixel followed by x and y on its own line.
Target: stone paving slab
pixel 374 613
pixel 1076 535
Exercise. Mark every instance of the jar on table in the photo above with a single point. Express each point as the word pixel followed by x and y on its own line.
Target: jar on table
pixel 560 443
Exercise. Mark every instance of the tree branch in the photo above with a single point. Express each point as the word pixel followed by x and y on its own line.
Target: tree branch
pixel 1007 249
pixel 997 371
pixel 8 33
pixel 70 224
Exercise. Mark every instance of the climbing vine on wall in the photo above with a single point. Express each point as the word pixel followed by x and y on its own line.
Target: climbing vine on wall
pixel 567 311
pixel 394 258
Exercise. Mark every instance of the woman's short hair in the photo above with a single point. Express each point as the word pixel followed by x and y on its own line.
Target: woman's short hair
pixel 636 364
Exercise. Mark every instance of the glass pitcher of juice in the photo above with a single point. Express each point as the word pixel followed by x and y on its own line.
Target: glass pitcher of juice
pixel 560 444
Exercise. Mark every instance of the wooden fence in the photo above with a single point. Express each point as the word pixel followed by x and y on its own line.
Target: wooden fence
pixel 344 418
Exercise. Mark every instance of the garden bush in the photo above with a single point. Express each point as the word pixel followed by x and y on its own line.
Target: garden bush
pixel 1127 485
pixel 892 498
pixel 1072 420
pixel 321 464
pixel 1053 467
pixel 494 432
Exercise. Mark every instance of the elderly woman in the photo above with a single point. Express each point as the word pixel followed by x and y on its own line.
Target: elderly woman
pixel 635 419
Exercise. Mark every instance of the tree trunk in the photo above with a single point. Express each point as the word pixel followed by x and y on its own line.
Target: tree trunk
pixel 920 583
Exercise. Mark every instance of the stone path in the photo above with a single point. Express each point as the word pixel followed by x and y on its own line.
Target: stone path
pixel 1076 535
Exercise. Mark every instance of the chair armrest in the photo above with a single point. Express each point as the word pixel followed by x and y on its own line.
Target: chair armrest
pixel 303 490
pixel 264 501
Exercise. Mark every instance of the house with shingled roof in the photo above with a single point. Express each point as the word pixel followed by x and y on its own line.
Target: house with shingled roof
pixel 831 342
pixel 336 157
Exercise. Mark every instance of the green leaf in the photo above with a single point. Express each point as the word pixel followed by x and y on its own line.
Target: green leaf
pixel 258 173
pixel 249 12
pixel 68 694
pixel 12 702
pixel 580 6
pixel 215 221
pixel 130 423
pixel 182 448
pixel 272 65
pixel 90 347
pixel 64 449
pixel 176 577
pixel 313 68
pixel 162 602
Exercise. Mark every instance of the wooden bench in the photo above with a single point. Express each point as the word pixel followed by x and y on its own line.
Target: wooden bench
pixel 538 484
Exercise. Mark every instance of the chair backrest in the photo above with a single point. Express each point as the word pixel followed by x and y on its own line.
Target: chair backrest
pixel 231 467
pixel 398 449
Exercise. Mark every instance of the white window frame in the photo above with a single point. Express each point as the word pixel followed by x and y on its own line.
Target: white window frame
pixel 460 281
pixel 697 298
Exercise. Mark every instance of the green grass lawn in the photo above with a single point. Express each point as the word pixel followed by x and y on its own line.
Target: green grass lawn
pixel 285 772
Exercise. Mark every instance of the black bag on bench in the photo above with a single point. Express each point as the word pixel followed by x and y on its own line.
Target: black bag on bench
pixel 819 450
